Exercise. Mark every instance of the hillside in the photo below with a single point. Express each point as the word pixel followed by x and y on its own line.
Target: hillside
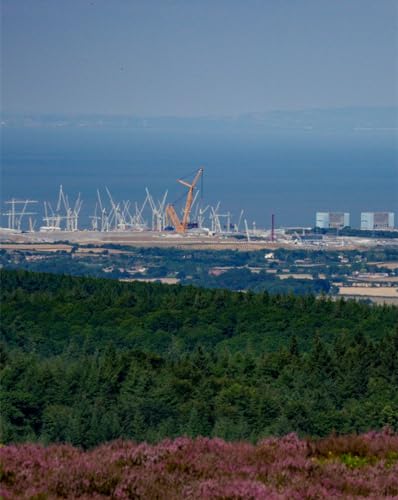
pixel 206 469
pixel 88 360
pixel 45 313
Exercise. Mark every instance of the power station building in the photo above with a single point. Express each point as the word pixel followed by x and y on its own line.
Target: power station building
pixel 332 220
pixel 377 220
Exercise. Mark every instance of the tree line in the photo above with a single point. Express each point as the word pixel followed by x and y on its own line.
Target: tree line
pixel 87 360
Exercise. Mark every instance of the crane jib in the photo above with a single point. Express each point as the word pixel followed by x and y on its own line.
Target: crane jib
pixel 181 226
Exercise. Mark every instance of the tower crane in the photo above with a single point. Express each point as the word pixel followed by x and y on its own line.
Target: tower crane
pixel 181 226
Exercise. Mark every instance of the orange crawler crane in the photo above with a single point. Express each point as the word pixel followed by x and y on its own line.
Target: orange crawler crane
pixel 181 226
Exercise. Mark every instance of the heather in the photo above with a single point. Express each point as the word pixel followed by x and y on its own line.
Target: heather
pixel 202 468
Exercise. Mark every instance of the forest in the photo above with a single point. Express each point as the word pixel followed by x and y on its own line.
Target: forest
pixel 86 360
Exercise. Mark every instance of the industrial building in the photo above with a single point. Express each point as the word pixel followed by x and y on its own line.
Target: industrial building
pixel 377 220
pixel 332 220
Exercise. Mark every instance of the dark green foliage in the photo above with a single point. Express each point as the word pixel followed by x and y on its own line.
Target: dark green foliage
pixel 86 360
pixel 47 313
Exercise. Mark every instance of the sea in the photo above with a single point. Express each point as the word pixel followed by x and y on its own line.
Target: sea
pixel 289 174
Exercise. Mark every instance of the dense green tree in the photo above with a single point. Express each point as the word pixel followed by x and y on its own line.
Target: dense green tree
pixel 86 361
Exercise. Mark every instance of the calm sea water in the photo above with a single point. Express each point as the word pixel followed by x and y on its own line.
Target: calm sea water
pixel 291 175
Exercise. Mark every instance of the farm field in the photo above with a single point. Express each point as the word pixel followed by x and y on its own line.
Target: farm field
pixel 389 265
pixel 382 291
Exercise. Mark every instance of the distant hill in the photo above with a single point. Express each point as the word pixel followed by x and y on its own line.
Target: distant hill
pixel 316 120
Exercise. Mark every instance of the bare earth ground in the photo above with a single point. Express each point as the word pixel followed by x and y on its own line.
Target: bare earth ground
pixel 382 291
pixel 48 247
pixel 378 295
pixel 297 276
pixel 167 240
pixel 387 265
pixel 166 281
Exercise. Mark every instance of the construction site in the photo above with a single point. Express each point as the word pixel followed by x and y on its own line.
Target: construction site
pixel 186 222
pixel 111 219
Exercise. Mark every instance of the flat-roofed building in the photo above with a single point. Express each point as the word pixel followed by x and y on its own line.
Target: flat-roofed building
pixel 332 220
pixel 377 220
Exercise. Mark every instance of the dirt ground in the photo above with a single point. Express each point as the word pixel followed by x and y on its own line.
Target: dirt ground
pixel 387 265
pixel 163 240
pixel 382 291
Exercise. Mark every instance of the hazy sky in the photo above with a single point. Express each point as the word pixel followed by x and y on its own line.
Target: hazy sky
pixel 197 57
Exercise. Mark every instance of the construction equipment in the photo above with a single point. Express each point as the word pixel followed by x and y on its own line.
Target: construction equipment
pixel 181 226
pixel 51 219
pixel 14 217
pixel 215 219
pixel 158 222
pixel 71 216
pixel 239 220
pixel 247 232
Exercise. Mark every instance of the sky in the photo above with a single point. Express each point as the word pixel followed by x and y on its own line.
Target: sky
pixel 195 58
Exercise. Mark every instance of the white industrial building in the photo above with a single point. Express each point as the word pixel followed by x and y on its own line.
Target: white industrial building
pixel 332 220
pixel 377 220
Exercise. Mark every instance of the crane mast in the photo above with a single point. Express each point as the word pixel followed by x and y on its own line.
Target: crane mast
pixel 181 226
